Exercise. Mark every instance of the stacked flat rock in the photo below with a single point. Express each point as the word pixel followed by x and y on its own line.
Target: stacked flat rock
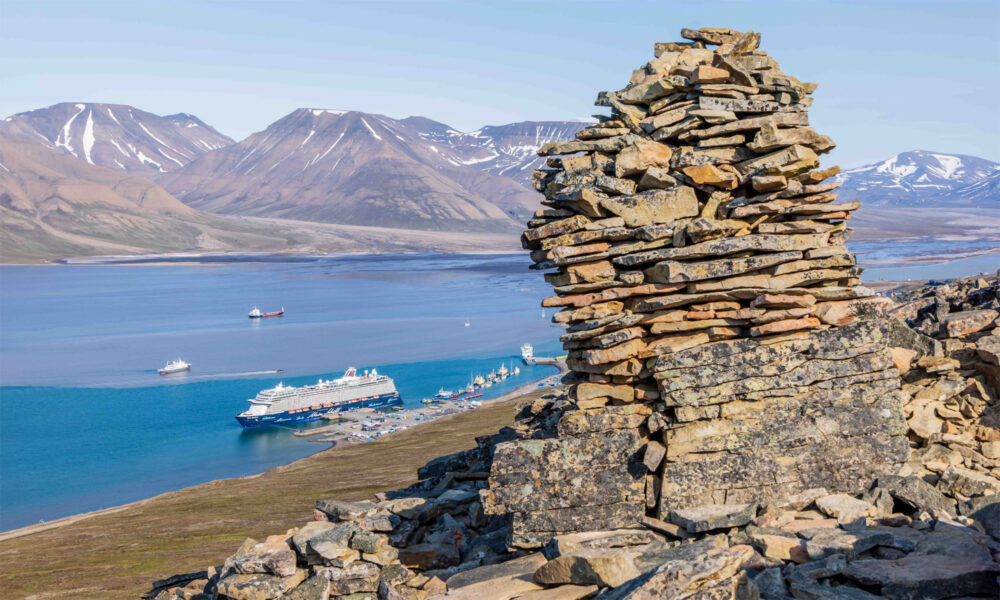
pixel 721 345
pixel 951 380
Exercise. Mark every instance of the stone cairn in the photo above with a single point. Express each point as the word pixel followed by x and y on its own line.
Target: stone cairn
pixel 734 424
pixel 717 331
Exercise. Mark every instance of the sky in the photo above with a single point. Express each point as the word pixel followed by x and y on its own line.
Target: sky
pixel 894 76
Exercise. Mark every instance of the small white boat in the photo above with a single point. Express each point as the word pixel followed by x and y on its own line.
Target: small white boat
pixel 443 393
pixel 175 366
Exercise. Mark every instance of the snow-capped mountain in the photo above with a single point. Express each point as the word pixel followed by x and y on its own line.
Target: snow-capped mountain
pixel 507 150
pixel 922 178
pixel 357 168
pixel 118 136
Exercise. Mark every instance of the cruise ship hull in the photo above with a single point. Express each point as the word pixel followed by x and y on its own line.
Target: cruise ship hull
pixel 312 414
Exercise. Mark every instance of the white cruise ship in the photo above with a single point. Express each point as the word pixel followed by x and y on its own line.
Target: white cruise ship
pixel 283 404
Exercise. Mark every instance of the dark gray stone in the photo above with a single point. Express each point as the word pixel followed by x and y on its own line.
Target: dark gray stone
pixel 697 519
pixel 804 591
pixel 836 541
pixel 927 577
pixel 985 510
pixel 917 494
pixel 901 336
pixel 770 584
pixel 316 587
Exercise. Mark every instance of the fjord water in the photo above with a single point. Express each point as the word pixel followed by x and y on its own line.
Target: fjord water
pixel 86 422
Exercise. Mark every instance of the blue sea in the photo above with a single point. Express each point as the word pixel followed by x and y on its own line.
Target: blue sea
pixel 87 423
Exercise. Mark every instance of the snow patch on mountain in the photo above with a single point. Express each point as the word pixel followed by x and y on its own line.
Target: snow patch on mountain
pixel 65 140
pixel 88 137
pixel 112 135
pixel 374 135
pixel 922 178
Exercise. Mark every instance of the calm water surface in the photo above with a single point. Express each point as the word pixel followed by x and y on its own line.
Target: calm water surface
pixel 86 423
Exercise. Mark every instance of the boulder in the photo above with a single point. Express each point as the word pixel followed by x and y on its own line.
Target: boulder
pixel 273 556
pixel 965 483
pixel 960 324
pixel 985 510
pixel 589 566
pixel 916 493
pixel 846 509
pixel 714 574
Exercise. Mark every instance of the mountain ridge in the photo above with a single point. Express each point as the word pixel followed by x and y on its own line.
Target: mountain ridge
pixel 118 136
pixel 355 169
pixel 924 178
pixel 358 168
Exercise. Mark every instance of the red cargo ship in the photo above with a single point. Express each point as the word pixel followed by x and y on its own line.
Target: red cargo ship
pixel 256 314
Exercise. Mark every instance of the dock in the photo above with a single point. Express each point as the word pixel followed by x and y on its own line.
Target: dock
pixel 365 424
pixel 558 361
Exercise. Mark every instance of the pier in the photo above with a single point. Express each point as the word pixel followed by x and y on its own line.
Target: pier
pixel 365 424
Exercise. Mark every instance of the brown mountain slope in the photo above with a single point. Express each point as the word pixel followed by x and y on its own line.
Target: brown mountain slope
pixel 53 205
pixel 119 137
pixel 352 168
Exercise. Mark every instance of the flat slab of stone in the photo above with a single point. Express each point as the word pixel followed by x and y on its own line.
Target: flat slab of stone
pixel 836 541
pixel 815 591
pixel 563 592
pixel 616 538
pixel 927 576
pixel 512 569
pixel 709 517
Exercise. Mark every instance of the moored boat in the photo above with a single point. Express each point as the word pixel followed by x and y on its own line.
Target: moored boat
pixel 175 366
pixel 284 404
pixel 256 314
pixel 528 354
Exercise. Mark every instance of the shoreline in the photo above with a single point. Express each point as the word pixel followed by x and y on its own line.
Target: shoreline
pixel 199 258
pixel 547 381
pixel 927 260
pixel 206 259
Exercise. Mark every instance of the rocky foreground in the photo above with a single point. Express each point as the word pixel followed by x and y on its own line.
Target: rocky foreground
pixel 742 418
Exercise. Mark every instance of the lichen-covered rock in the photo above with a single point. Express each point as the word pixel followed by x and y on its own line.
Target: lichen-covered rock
pixel 258 586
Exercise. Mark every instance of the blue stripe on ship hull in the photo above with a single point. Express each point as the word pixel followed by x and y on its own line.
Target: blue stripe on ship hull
pixel 284 418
